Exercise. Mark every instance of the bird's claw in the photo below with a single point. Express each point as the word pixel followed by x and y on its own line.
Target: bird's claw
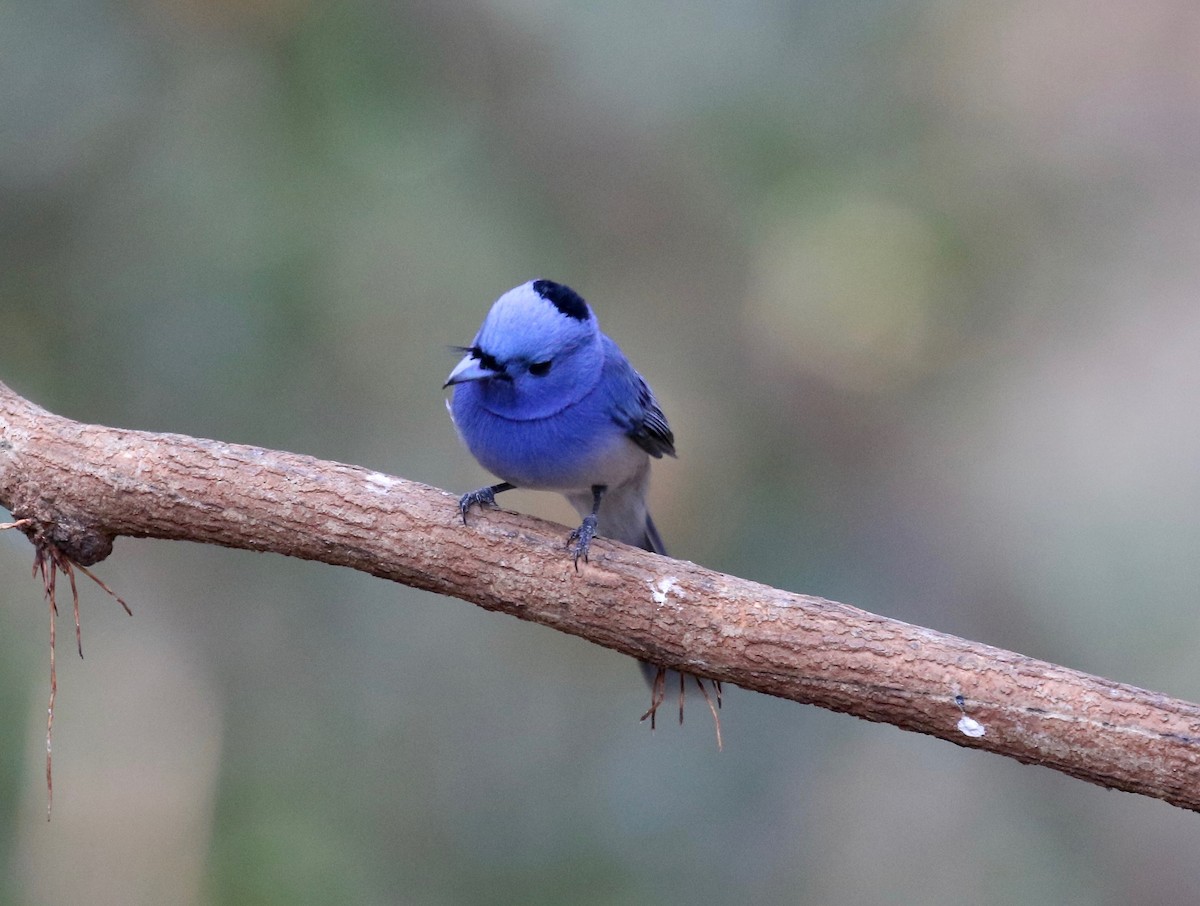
pixel 484 497
pixel 581 539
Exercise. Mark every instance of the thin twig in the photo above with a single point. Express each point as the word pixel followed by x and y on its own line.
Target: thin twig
pixel 49 561
pixel 713 708
pixel 44 561
pixel 658 694
pixel 87 572
pixel 75 604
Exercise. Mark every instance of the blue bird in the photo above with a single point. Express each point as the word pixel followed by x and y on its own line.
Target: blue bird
pixel 545 401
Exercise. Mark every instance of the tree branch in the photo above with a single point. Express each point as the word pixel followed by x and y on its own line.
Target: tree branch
pixel 83 485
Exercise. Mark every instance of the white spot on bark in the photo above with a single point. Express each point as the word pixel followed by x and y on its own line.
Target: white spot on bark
pixel 380 481
pixel 662 589
pixel 969 726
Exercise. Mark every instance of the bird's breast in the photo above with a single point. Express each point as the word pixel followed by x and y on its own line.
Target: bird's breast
pixel 575 448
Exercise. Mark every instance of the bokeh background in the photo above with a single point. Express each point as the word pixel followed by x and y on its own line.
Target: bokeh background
pixel 917 284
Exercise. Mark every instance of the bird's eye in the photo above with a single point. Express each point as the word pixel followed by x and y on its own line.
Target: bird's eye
pixel 539 369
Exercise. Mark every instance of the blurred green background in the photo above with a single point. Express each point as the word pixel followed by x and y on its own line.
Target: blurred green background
pixel 916 283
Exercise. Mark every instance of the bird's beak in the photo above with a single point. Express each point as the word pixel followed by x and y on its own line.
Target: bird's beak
pixel 469 369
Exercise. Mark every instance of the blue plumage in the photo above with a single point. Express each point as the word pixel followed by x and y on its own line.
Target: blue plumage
pixel 546 401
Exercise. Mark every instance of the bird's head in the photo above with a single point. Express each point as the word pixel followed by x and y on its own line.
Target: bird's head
pixel 537 352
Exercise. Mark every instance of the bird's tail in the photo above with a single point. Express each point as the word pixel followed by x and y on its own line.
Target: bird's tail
pixel 654 542
pixel 660 679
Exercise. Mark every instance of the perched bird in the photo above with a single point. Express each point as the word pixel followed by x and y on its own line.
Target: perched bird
pixel 545 401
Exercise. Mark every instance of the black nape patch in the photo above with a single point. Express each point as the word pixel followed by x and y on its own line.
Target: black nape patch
pixel 565 299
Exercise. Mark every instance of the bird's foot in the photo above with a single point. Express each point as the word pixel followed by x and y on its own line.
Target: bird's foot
pixel 581 539
pixel 484 497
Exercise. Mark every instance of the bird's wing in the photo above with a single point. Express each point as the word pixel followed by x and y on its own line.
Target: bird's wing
pixel 634 407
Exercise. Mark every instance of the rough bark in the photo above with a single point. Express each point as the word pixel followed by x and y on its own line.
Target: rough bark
pixel 84 485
